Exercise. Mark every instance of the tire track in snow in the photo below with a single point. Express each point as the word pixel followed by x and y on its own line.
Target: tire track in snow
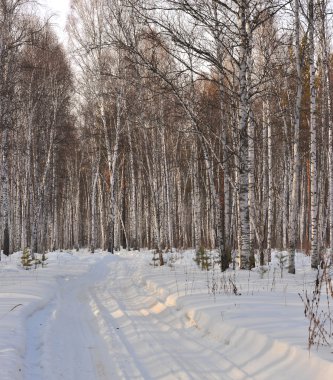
pixel 35 325
pixel 157 337
pixel 108 324
pixel 63 342
pixel 104 325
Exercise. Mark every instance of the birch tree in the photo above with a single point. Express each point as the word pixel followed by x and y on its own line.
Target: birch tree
pixel 12 35
pixel 313 139
pixel 295 170
pixel 194 124
pixel 327 105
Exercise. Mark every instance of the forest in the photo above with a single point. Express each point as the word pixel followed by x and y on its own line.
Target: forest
pixel 202 124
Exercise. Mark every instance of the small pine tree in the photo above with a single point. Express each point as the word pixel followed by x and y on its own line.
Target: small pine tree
pixel 282 261
pixel 203 259
pixel 43 260
pixel 26 259
pixel 40 261
pixel 36 263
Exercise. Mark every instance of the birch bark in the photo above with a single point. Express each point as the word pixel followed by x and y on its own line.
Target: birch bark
pixel 243 125
pixel 95 174
pixel 270 184
pixel 313 141
pixel 295 170
pixel 5 191
pixel 328 108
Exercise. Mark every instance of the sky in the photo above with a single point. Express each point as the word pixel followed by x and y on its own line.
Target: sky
pixel 60 9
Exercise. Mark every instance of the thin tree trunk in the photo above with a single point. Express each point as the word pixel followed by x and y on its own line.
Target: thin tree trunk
pixel 313 143
pixel 270 183
pixel 243 124
pixel 5 191
pixel 295 171
pixel 196 198
pixel 95 174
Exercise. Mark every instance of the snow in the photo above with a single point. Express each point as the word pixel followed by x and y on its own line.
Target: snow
pixel 109 317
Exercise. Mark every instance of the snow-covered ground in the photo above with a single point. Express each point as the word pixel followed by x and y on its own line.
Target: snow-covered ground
pixel 101 316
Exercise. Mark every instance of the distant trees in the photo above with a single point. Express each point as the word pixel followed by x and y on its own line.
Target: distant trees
pixel 46 88
pixel 35 94
pixel 13 32
pixel 193 124
pixel 208 77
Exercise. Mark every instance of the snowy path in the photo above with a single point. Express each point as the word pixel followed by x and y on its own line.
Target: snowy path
pixel 111 323
pixel 68 345
pixel 103 326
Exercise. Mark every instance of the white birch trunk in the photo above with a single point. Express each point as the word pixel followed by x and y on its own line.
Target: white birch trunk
pixel 95 174
pixel 243 124
pixel 112 158
pixel 167 191
pixel 330 153
pixel 286 181
pixel 102 208
pixel 254 228
pixel 325 43
pixel 133 222
pixel 218 210
pixel 196 198
pixel 113 184
pixel 55 225
pixel 270 183
pixel 313 143
pixel 5 191
pixel 295 170
pixel 140 218
pixel 41 187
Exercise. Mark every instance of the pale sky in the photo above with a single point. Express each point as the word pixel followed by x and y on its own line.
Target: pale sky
pixel 60 9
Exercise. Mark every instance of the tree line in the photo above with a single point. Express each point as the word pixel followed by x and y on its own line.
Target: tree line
pixel 169 124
